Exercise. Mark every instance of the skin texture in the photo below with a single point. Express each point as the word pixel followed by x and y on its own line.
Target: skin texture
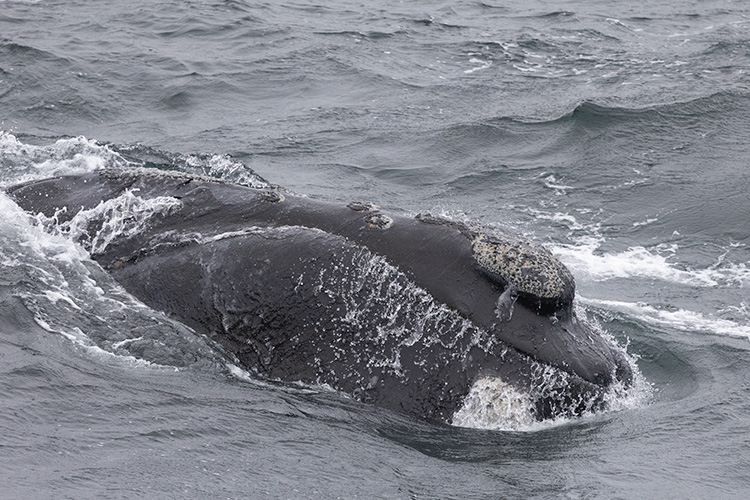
pixel 401 312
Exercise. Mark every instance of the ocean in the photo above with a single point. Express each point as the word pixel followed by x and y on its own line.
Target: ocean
pixel 615 134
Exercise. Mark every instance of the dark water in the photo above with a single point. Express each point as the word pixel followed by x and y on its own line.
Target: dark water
pixel 614 133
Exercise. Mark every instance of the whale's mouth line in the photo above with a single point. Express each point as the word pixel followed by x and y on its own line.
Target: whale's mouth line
pixel 560 317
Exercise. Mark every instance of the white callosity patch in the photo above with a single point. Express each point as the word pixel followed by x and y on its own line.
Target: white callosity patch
pixel 496 405
pixel 531 270
pixel 378 221
pixel 120 217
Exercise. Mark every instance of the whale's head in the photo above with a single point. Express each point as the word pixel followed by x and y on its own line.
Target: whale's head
pixel 575 365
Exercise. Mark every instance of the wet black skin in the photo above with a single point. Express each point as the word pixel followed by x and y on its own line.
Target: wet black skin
pixel 259 295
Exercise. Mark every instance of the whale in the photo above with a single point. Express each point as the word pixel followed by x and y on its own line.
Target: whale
pixel 409 313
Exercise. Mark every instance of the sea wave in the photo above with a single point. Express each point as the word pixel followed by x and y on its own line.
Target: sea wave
pixel 23 51
pixel 530 136
pixel 601 113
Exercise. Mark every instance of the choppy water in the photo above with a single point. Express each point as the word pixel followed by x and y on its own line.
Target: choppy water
pixel 615 134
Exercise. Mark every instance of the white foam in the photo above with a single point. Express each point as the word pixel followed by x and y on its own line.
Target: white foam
pixel 495 405
pixel 17 227
pixel 551 182
pixel 239 373
pixel 657 266
pixel 26 162
pixel 82 340
pixel 680 319
pixel 585 260
pixel 645 222
pixel 482 64
pixel 55 296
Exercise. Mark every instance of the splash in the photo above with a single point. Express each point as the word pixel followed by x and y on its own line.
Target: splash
pixel 216 166
pixel 120 217
pixel 495 405
pixel 223 167
pixel 77 155
pixel 70 295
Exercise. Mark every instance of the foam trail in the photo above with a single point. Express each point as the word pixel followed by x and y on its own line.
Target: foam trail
pixel 640 262
pixel 681 319
pixel 586 260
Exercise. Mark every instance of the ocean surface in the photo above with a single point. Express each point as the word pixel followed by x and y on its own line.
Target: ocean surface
pixel 616 134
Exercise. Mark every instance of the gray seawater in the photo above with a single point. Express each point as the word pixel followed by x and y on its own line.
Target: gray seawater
pixel 616 134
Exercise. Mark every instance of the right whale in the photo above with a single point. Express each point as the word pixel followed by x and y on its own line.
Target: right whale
pixel 408 313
